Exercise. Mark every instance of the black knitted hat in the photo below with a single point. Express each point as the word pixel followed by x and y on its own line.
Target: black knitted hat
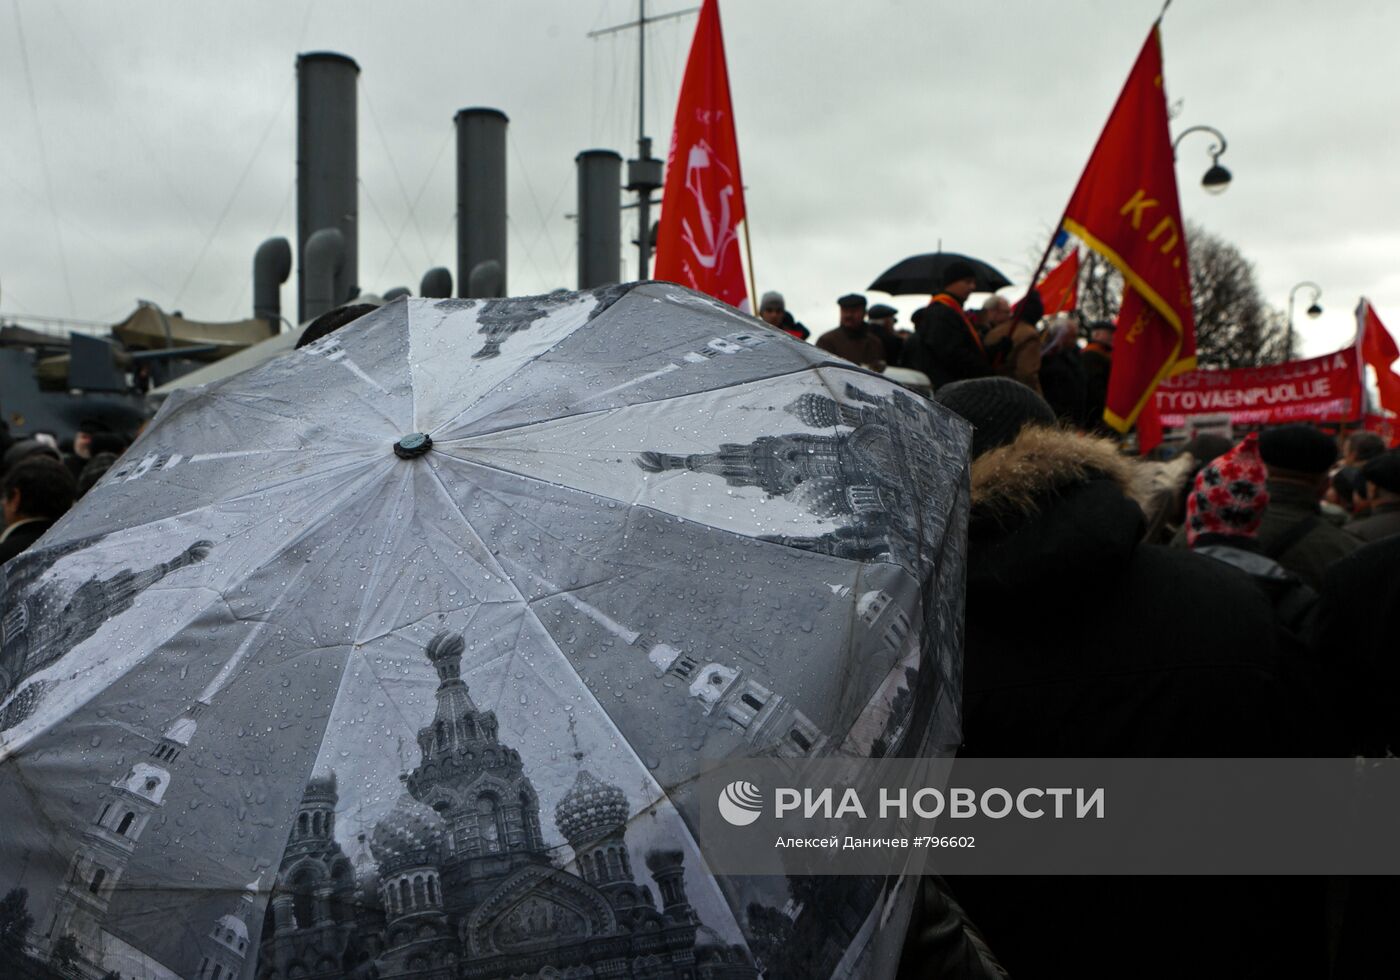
pixel 1300 448
pixel 957 271
pixel 998 409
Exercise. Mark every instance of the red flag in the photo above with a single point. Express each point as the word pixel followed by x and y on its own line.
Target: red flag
pixel 1059 290
pixel 1126 209
pixel 697 242
pixel 1378 349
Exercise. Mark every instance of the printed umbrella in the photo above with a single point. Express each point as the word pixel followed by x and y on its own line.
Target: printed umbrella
pixel 379 659
pixel 924 274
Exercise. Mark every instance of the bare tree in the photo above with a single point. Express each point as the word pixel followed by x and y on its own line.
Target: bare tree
pixel 1234 326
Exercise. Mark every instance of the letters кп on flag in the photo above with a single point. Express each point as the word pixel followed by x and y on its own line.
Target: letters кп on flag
pixel 1126 209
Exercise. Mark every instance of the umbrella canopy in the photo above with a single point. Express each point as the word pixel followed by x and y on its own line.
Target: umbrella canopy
pixel 379 659
pixel 924 274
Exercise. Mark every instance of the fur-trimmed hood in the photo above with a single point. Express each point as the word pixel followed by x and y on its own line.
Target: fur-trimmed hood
pixel 1016 480
pixel 1051 507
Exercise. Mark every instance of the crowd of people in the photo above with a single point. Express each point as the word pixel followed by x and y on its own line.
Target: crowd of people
pixel 1225 598
pixel 40 478
pixel 950 342
pixel 1240 598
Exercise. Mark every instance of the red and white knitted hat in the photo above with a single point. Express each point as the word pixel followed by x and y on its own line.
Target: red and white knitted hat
pixel 1229 496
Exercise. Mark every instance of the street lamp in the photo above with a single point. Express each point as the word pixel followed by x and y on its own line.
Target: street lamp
pixel 1314 311
pixel 1217 178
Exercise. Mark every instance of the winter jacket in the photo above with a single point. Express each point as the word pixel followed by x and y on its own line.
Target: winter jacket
pixel 1355 634
pixel 862 348
pixel 1098 364
pixel 1292 598
pixel 1383 522
pixel 1064 386
pixel 18 537
pixel 1175 655
pixel 1054 527
pixel 1308 550
pixel 1023 362
pixel 946 348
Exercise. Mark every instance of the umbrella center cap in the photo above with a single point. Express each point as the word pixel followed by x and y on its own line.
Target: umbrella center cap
pixel 413 445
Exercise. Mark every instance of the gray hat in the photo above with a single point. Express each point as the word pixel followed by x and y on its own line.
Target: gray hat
pixel 772 299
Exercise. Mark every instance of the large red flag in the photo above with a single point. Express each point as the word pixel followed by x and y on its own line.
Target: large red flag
pixel 1059 290
pixel 697 243
pixel 1378 349
pixel 1126 209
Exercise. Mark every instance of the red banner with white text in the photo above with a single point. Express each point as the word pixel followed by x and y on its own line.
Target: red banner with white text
pixel 1319 389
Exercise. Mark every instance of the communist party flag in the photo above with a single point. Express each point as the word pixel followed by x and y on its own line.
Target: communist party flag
pixel 697 242
pixel 1126 209
pixel 1059 290
pixel 1378 349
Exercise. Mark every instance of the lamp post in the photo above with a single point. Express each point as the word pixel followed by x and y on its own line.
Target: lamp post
pixel 1314 311
pixel 1217 178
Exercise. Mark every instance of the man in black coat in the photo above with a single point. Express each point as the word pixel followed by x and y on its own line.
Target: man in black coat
pixel 1380 487
pixel 34 494
pixel 946 345
pixel 1294 532
pixel 1097 358
pixel 1177 656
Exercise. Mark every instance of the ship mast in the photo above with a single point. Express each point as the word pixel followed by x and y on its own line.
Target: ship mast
pixel 644 171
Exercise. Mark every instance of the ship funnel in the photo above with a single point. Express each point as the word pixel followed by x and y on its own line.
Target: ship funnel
pixel 481 199
pixel 327 170
pixel 599 218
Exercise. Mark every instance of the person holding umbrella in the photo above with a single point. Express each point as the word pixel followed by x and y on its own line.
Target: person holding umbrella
pixel 947 346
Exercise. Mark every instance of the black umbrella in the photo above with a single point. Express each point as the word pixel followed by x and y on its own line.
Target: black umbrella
pixel 924 274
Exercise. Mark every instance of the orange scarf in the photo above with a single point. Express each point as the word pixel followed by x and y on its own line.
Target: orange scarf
pixel 943 299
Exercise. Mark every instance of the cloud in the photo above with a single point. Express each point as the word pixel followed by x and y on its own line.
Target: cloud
pixel 868 132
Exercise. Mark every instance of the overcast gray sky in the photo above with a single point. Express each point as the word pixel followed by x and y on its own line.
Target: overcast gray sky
pixel 150 146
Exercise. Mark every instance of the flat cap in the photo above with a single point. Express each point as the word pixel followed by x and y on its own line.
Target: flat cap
pixel 851 299
pixel 1300 448
pixel 879 311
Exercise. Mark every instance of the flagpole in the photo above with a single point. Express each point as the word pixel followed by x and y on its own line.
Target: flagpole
pixel 748 252
pixel 1045 257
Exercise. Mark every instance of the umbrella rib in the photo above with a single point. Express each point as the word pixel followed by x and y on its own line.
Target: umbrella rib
pixel 816 366
pixel 9 748
pixel 570 548
pixel 589 314
pixel 544 630
pixel 658 791
pixel 256 492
